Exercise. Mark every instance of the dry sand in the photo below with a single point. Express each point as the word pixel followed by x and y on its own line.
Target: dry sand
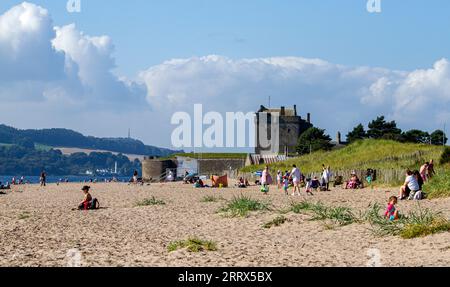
pixel 38 228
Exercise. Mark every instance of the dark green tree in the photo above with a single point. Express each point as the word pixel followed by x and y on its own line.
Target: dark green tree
pixel 380 129
pixel 313 139
pixel 416 136
pixel 358 133
pixel 445 158
pixel 25 143
pixel 438 138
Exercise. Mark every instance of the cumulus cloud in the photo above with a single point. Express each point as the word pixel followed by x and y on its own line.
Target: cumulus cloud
pixel 26 52
pixel 64 76
pixel 338 96
pixel 93 61
pixel 40 62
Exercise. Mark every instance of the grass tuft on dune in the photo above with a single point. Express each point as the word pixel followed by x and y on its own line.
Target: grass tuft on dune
pixel 193 244
pixel 242 205
pixel 439 185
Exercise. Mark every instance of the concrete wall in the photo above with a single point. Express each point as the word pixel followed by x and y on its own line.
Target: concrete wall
pixel 152 169
pixel 210 167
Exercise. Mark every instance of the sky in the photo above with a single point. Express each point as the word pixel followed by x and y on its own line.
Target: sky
pixel 132 64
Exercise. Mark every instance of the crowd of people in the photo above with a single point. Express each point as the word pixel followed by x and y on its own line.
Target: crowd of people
pixel 287 181
pixel 295 181
pixel 412 189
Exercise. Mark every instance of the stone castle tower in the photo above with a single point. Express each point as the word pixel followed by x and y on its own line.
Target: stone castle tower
pixel 291 126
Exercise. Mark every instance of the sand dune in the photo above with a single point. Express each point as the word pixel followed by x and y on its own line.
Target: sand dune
pixel 38 228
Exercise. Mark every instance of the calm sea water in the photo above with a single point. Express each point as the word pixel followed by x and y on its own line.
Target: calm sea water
pixel 54 179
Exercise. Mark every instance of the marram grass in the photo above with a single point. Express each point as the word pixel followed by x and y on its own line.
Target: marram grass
pixel 242 205
pixel 376 154
pixel 193 244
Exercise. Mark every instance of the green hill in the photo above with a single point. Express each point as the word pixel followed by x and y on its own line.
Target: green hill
pixel 48 138
pixel 376 154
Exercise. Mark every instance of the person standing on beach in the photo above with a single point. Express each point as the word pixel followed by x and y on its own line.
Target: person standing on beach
pixel 279 179
pixel 43 178
pixel 296 176
pixel 266 180
pixel 424 171
pixel 135 177
pixel 326 176
pixel 431 171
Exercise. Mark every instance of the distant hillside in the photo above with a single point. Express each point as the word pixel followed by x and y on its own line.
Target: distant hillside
pixel 377 154
pixel 71 139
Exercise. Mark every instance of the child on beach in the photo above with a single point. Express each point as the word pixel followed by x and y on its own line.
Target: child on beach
pixel 309 186
pixel 391 212
pixel 279 179
pixel 88 202
pixel 286 184
pixel 266 180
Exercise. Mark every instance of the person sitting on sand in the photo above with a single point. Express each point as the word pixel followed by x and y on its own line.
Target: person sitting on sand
pixel 199 184
pixel 135 177
pixel 309 185
pixel 391 212
pixel 419 178
pixel 88 202
pixel 354 182
pixel 242 183
pixel 417 195
pixel 4 187
pixel 411 185
pixel 315 183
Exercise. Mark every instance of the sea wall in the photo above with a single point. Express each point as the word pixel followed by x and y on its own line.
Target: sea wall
pixel 152 169
pixel 210 167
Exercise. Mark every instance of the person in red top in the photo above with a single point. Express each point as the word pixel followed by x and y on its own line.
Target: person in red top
pixel 88 202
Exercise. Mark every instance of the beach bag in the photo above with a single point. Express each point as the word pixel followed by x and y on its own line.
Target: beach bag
pixel 265 188
pixel 418 195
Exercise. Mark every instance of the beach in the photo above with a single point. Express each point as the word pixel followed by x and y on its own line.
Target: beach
pixel 39 228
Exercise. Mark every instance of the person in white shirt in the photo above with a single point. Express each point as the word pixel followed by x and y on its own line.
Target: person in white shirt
pixel 411 185
pixel 326 176
pixel 296 177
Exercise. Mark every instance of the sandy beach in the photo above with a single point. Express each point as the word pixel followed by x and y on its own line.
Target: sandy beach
pixel 38 228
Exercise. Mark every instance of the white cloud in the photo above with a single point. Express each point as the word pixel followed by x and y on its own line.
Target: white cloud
pixel 60 76
pixel 26 52
pixel 338 96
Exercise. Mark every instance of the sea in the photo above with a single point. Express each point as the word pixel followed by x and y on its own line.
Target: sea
pixel 71 179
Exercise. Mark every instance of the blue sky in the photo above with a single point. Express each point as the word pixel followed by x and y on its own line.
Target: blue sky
pixel 330 57
pixel 406 35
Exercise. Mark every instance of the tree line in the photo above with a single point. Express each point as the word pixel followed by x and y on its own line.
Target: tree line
pixel 70 138
pixel 26 160
pixel 315 139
